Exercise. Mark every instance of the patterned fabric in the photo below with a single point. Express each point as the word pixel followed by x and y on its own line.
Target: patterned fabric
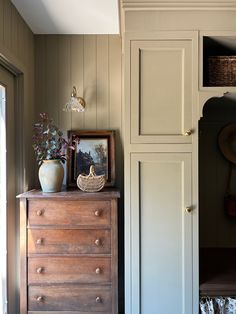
pixel 218 305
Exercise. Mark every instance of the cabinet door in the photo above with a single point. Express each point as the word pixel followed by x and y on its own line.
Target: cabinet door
pixel 161 91
pixel 159 235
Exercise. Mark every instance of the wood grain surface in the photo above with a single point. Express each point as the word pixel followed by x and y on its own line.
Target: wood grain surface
pixel 45 212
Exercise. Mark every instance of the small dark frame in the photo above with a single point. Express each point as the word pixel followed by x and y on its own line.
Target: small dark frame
pixel 79 161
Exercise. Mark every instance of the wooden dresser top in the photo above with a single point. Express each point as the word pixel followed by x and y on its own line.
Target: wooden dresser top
pixel 73 194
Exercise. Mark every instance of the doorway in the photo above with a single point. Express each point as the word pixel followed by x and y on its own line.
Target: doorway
pixel 8 293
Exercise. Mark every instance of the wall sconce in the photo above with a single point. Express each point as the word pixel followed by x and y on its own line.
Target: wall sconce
pixel 75 103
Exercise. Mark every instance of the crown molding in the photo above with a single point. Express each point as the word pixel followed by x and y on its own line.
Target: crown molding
pixel 129 5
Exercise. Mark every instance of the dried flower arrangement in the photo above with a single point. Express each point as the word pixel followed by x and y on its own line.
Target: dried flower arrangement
pixel 48 140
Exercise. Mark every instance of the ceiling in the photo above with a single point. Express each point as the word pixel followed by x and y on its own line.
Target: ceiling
pixel 70 16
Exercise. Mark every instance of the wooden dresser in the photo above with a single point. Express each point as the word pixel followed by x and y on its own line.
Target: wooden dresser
pixel 69 252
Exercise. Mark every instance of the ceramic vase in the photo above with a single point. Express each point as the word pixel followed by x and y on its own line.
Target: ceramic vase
pixel 51 174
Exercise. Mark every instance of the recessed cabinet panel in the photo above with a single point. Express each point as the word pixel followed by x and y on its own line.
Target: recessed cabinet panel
pixel 161 237
pixel 161 91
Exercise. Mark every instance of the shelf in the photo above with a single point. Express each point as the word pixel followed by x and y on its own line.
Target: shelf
pixel 218 284
pixel 216 45
pixel 218 272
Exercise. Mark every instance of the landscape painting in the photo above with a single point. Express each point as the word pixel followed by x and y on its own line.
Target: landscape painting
pixel 92 151
pixel 92 147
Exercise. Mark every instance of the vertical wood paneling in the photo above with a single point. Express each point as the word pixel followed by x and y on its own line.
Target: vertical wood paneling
pixel 115 82
pixel 115 100
pixel 51 77
pixel 40 74
pixel 20 39
pixel 77 76
pixel 7 23
pixel 102 82
pixel 1 20
pixel 14 29
pixel 64 81
pixel 27 33
pixel 90 81
pixel 91 63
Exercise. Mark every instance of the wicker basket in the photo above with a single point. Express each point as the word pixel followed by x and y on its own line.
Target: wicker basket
pixel 91 182
pixel 222 70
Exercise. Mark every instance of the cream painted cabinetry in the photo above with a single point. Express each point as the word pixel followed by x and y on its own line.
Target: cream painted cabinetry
pixel 161 246
pixel 159 91
pixel 161 88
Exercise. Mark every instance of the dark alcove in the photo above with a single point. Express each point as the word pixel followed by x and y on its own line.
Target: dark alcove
pixel 217 230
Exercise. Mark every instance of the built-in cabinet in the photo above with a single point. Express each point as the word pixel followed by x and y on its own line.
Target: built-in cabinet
pixel 159 202
pixel 167 50
pixel 161 242
pixel 161 89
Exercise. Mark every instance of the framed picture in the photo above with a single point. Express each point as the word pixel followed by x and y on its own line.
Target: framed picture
pixel 93 148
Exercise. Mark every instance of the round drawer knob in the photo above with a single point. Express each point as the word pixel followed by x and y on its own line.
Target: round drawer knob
pixel 97 213
pixel 40 298
pixel 98 271
pixel 98 300
pixel 39 270
pixel 39 241
pixel 98 242
pixel 188 132
pixel 39 212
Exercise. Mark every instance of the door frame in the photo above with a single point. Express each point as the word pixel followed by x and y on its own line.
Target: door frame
pixel 19 112
pixel 18 106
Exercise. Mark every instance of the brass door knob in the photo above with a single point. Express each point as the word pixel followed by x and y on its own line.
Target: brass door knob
pixel 98 300
pixel 188 132
pixel 40 270
pixel 188 209
pixel 97 213
pixel 98 242
pixel 98 271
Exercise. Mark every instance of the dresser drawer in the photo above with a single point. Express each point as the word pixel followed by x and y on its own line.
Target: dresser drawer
pixel 70 298
pixel 69 270
pixel 69 241
pixel 48 212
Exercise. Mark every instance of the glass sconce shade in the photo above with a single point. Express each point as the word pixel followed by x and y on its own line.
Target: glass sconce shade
pixel 75 103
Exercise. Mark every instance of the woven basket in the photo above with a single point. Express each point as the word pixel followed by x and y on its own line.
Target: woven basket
pixel 91 182
pixel 222 70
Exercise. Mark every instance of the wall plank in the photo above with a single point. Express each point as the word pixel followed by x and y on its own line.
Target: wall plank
pixel 90 81
pixel 64 81
pixel 115 83
pixel 7 26
pixel 40 74
pixel 103 82
pixel 14 29
pixel 115 102
pixel 1 20
pixel 77 76
pixel 51 76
